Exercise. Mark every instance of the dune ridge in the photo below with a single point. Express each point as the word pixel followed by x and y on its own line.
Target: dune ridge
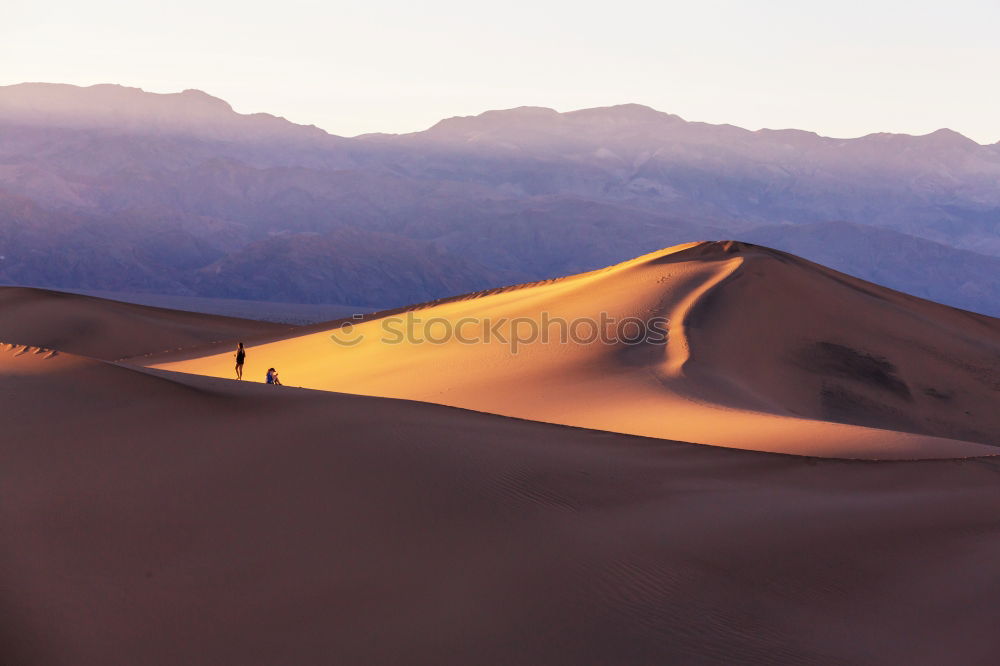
pixel 766 351
pixel 106 329
pixel 160 517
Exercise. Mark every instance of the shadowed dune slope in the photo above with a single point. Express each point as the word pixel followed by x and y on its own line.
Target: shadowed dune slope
pixel 165 518
pixel 110 329
pixel 766 351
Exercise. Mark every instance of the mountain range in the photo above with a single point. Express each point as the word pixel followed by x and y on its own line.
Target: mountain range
pixel 115 188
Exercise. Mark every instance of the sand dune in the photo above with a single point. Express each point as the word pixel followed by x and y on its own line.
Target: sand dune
pixel 766 352
pixel 106 329
pixel 153 518
pixel 160 517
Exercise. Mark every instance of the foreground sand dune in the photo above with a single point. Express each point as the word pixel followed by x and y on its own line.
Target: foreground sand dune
pixel 766 351
pixel 154 518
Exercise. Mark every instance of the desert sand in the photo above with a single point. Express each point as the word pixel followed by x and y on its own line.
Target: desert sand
pixel 109 330
pixel 158 517
pixel 766 351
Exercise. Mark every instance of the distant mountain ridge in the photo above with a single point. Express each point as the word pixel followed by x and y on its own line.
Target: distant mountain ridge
pixel 109 187
pixel 125 109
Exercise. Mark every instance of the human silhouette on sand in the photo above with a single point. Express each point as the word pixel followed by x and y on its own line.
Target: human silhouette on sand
pixel 241 356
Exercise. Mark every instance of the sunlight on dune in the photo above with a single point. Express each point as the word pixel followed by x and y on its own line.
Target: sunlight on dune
pixel 676 390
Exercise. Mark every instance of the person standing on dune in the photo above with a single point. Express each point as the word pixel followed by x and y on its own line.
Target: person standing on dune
pixel 241 356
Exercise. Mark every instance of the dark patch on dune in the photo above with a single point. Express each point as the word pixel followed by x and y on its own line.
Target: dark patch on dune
pixel 940 395
pixel 834 360
pixel 840 403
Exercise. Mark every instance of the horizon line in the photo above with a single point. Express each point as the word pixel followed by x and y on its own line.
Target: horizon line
pixel 498 110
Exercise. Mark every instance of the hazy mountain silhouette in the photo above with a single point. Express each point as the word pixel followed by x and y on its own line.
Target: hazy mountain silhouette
pixel 110 187
pixel 124 109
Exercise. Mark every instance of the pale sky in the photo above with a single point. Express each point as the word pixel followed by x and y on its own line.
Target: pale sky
pixel 842 69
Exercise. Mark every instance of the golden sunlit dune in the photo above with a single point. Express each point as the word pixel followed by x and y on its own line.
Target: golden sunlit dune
pixel 159 517
pixel 765 351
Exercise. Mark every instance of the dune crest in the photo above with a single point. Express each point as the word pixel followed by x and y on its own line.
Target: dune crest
pixel 765 351
pixel 107 329
pixel 160 517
